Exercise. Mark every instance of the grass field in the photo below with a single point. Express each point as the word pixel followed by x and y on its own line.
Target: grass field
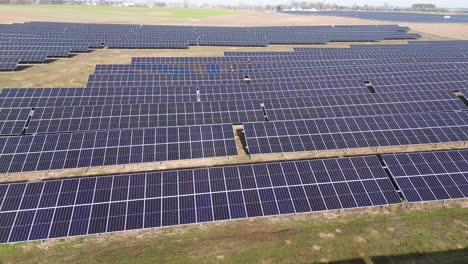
pixel 395 234
pixel 108 14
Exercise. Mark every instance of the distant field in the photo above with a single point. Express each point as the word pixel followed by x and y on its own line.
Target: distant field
pixel 398 234
pixel 104 14
pixel 199 17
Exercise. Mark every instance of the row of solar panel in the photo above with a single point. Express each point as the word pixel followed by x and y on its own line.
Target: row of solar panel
pixel 33 54
pixel 133 80
pixel 105 204
pixel 456 74
pixel 61 208
pixel 15 96
pixel 234 117
pixel 430 176
pixel 335 53
pixel 34 152
pixel 251 73
pixel 389 16
pixel 144 95
pixel 412 46
pixel 296 57
pixel 112 147
pixel 174 79
pixel 325 68
pixel 356 132
pixel 68 119
pixel 229 106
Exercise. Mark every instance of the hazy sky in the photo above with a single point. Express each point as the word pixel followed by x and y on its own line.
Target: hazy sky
pixel 402 3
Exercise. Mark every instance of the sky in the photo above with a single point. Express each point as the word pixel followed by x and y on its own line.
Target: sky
pixel 400 3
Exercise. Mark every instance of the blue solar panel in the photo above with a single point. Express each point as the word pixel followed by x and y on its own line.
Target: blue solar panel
pixel 69 119
pixel 72 207
pixel 427 176
pixel 112 147
pixel 13 121
pixel 356 132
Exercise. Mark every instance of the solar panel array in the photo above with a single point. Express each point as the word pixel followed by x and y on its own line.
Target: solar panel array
pixel 160 109
pixel 34 42
pixel 428 176
pixel 389 16
pixel 60 208
pixel 116 116
pixel 258 89
pixel 82 118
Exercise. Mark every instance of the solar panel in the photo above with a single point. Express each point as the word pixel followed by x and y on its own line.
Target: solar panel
pixel 9 63
pixel 50 51
pixel 358 99
pixel 294 111
pixel 329 68
pixel 13 121
pixel 428 176
pixel 34 58
pixel 113 147
pixel 356 132
pixel 283 58
pixel 141 95
pixel 146 80
pixel 82 118
pixel 72 207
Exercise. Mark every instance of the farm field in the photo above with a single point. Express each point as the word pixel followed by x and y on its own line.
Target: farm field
pixel 105 14
pixel 201 17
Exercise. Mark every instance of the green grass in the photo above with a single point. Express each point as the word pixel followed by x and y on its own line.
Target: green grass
pixel 397 236
pixel 108 13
